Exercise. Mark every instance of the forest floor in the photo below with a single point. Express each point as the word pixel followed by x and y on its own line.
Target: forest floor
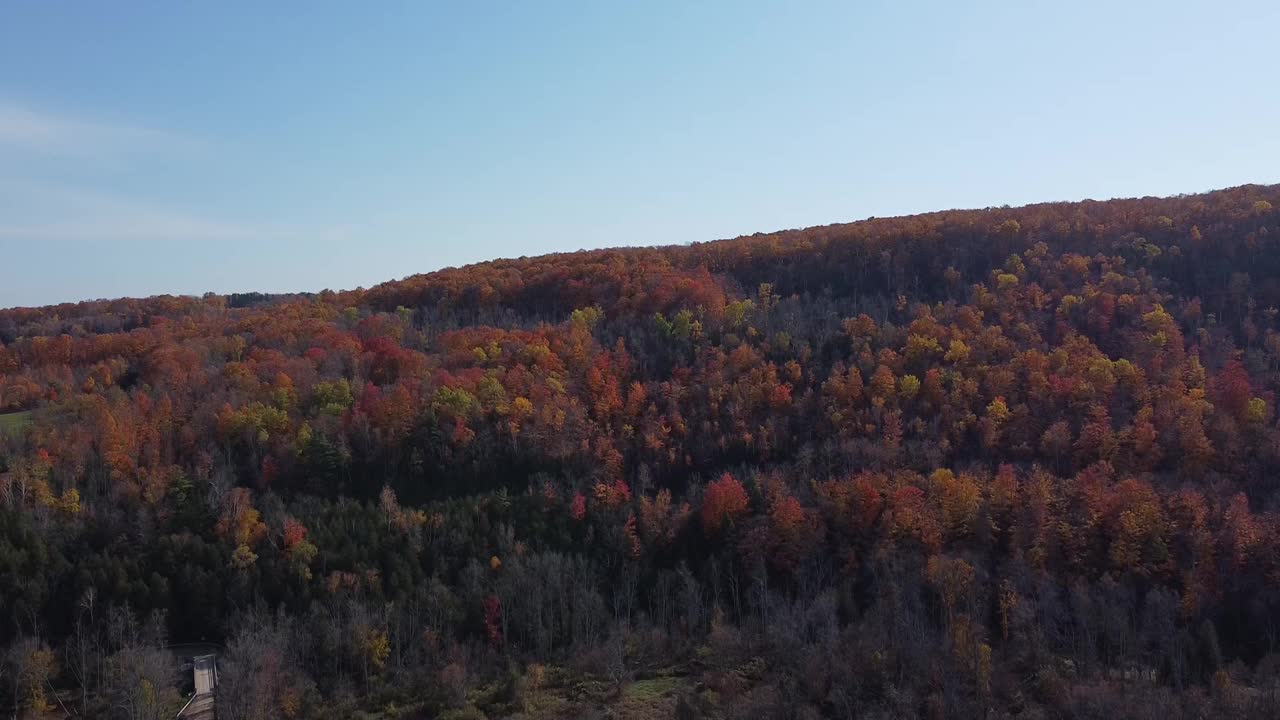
pixel 559 692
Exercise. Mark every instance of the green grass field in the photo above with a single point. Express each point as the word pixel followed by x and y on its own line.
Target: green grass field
pixel 14 422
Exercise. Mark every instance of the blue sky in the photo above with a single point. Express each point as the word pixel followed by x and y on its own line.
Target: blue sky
pixel 162 147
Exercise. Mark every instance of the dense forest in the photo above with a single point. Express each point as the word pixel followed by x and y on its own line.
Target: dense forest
pixel 1010 462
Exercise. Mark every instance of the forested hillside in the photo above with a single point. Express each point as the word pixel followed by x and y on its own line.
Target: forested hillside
pixel 989 463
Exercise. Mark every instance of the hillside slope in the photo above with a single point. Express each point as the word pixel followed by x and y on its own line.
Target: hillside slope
pixel 1016 460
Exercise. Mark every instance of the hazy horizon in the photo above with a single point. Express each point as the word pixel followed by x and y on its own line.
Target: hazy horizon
pixel 159 149
pixel 306 291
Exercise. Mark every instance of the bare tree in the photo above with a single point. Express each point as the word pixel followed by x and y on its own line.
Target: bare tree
pixel 82 650
pixel 259 676
pixel 142 683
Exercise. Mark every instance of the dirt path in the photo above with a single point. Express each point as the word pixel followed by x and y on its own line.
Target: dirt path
pixel 205 671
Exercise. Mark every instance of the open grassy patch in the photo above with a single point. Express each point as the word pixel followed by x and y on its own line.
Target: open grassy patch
pixel 648 699
pixel 651 689
pixel 15 422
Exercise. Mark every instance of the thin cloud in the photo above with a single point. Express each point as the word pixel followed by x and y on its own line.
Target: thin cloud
pixel 65 213
pixel 23 128
pixel 67 205
pixel 56 188
pixel 152 227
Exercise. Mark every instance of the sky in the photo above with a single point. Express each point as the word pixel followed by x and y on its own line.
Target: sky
pixel 181 147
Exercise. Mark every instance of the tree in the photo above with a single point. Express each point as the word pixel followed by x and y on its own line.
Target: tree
pixel 141 683
pixel 723 502
pixel 82 652
pixel 31 666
